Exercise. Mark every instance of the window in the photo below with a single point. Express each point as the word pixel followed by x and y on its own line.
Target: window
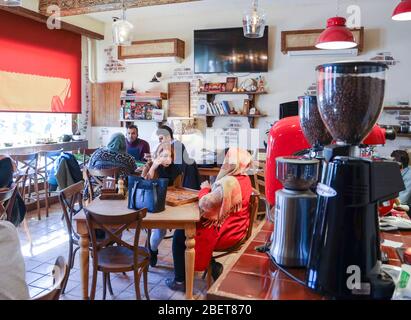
pixel 29 128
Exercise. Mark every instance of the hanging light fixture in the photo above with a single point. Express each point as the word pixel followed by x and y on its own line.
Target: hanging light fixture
pixel 122 30
pixel 403 11
pixel 254 22
pixel 336 35
pixel 10 3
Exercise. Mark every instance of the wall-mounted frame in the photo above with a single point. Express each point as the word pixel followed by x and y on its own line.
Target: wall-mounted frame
pixel 300 40
pixel 161 48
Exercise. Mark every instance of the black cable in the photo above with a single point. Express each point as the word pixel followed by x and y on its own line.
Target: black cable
pixel 265 248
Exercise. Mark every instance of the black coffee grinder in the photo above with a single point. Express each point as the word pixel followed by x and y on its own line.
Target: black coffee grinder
pixel 344 260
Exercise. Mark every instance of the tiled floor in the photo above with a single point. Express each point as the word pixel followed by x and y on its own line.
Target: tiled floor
pixel 50 240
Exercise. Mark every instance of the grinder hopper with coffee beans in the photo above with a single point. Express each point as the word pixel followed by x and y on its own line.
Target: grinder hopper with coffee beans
pixel 345 238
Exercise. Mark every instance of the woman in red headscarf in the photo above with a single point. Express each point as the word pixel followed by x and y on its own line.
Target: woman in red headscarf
pixel 224 209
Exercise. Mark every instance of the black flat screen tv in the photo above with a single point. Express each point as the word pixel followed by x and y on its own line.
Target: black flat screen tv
pixel 228 51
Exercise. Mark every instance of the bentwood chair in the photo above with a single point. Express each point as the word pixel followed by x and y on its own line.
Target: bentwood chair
pixel 259 184
pixel 50 158
pixel 20 181
pixel 28 164
pixel 60 274
pixel 84 156
pixel 115 255
pixel 94 179
pixel 71 201
pixel 7 201
pixel 254 200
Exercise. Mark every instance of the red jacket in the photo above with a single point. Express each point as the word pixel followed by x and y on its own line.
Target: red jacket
pixel 231 232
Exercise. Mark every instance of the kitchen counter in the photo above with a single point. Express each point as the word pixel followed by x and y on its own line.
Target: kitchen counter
pixel 66 146
pixel 252 275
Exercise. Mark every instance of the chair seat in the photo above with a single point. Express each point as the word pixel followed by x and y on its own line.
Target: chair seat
pixel 116 258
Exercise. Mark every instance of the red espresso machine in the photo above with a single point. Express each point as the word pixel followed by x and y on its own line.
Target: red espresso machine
pixel 286 138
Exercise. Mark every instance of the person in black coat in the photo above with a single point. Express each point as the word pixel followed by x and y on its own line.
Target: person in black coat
pixel 7 168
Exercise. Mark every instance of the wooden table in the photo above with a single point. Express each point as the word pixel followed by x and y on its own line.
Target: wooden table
pixel 209 172
pixel 182 217
pixel 252 275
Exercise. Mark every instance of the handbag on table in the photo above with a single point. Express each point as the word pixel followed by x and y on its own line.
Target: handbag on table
pixel 150 194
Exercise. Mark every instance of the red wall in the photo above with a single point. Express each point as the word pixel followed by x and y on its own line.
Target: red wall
pixel 29 47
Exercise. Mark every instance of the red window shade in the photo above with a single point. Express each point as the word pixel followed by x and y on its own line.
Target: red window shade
pixel 40 69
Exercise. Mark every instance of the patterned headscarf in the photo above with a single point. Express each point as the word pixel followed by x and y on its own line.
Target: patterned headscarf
pixel 236 163
pixel 117 143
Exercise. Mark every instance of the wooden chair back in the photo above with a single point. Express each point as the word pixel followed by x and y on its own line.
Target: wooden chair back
pixel 49 158
pixel 20 181
pixel 94 179
pixel 259 177
pixel 7 195
pixel 113 226
pixel 60 272
pixel 71 202
pixel 85 155
pixel 253 209
pixel 27 161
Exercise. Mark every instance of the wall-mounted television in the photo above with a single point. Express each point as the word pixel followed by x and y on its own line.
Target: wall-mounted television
pixel 228 51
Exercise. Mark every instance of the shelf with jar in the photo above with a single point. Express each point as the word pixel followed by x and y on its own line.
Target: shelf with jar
pixel 146 106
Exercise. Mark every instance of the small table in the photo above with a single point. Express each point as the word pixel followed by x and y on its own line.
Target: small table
pixel 181 217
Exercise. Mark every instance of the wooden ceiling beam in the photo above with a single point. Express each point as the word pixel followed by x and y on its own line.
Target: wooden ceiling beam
pixel 77 7
pixel 43 19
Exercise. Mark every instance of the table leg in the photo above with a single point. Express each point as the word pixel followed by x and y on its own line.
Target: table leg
pixel 190 231
pixel 84 264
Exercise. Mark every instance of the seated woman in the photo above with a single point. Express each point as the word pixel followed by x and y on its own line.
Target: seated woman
pixel 191 178
pixel 7 168
pixel 162 166
pixel 224 209
pixel 114 155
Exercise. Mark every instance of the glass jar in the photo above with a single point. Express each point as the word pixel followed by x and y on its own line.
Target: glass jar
pixel 311 123
pixel 350 98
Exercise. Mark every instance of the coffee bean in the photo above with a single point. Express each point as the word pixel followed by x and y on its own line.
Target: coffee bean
pixel 311 123
pixel 350 105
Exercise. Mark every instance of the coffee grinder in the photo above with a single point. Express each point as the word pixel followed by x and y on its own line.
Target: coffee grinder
pixel 344 259
pixel 294 210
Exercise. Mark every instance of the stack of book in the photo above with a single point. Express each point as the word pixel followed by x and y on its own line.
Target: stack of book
pixel 218 108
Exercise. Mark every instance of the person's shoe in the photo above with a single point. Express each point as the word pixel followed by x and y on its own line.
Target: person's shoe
pixel 176 286
pixel 153 258
pixel 216 269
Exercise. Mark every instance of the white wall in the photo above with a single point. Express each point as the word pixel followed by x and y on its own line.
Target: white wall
pixel 288 77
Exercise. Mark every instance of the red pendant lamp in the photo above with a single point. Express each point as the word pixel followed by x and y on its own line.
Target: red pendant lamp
pixel 336 36
pixel 403 11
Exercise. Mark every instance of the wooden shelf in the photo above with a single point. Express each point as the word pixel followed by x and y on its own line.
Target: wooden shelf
pixel 129 120
pixel 158 97
pixel 397 108
pixel 230 92
pixel 210 118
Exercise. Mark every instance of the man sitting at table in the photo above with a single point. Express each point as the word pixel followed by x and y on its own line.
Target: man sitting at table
pixel 135 146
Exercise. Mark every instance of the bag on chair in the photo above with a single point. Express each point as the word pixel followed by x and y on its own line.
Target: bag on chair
pixel 150 194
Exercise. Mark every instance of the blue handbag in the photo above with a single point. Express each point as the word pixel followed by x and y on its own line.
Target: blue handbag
pixel 150 194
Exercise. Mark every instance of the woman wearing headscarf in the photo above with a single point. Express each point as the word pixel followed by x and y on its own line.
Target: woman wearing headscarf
pixel 224 210
pixel 114 155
